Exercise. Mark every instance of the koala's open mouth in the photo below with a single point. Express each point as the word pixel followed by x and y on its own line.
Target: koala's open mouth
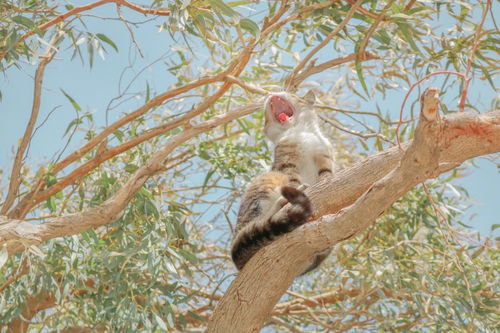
pixel 281 108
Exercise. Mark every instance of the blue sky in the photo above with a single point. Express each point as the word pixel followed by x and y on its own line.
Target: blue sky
pixel 94 88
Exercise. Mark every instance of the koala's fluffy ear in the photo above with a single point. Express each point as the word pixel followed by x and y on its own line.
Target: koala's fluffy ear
pixel 310 97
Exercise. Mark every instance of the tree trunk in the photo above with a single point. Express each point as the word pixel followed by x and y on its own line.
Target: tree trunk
pixel 440 144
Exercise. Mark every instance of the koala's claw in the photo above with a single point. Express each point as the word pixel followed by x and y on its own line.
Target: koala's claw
pixel 302 187
pixel 281 201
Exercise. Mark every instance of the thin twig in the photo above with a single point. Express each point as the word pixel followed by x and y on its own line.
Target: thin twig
pixel 234 69
pixel 410 4
pixel 362 135
pixel 364 11
pixel 372 29
pixel 440 214
pixel 132 36
pixel 475 45
pixel 15 176
pixel 328 64
pixel 374 114
pixel 77 10
pixel 318 47
pixel 53 22
pixel 280 322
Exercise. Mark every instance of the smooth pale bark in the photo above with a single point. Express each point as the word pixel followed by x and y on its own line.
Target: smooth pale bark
pixel 440 144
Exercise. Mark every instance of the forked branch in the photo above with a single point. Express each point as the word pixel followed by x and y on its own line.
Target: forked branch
pixel 37 194
pixel 440 143
pixel 16 235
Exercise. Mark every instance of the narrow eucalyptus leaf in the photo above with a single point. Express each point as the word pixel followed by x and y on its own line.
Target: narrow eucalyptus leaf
pixel 107 40
pixel 250 26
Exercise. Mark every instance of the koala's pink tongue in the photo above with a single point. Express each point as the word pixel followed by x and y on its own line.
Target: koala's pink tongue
pixel 281 108
pixel 283 117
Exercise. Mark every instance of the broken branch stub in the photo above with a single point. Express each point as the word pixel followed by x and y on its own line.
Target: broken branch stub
pixel 262 283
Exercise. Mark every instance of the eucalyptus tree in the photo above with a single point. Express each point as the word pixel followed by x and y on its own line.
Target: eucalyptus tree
pixel 156 133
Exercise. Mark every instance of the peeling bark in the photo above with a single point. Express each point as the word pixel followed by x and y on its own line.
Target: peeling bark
pixel 459 137
pixel 440 144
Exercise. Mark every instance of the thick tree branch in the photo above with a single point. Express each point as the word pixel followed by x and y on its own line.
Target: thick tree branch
pixel 16 234
pixel 32 198
pixel 247 86
pixel 464 136
pixel 235 68
pixel 439 144
pixel 33 305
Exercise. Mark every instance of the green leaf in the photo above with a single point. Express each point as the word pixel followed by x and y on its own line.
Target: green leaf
pixel 131 168
pixel 23 21
pixel 243 126
pixel 238 3
pixel 72 101
pixel 204 21
pixel 250 26
pixel 90 51
pixel 495 227
pixel 223 8
pixel 383 37
pixel 150 209
pixel 161 323
pixel 74 122
pixel 108 41
pixel 51 204
pixel 188 255
pixel 207 177
pixel 50 179
pixel 148 92
pixel 195 316
pixel 359 71
pixel 402 16
pixel 119 135
pixel 405 30
pixel 363 144
pixel 484 70
pixel 203 154
pixel 478 287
